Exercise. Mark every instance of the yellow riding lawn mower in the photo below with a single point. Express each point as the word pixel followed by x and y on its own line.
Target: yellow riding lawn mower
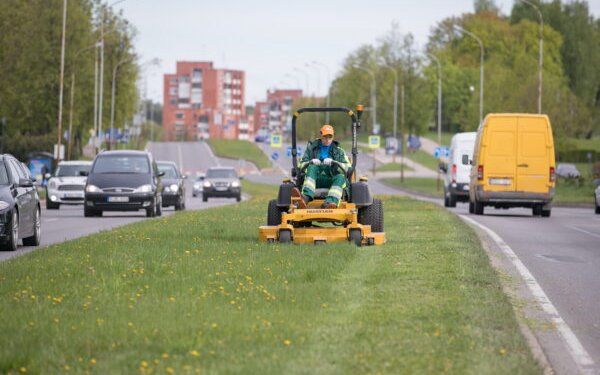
pixel 358 218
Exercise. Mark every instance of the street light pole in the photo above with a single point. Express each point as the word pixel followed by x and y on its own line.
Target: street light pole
pixel 62 76
pixel 395 105
pixel 481 82
pixel 541 48
pixel 112 99
pixel 307 79
pixel 439 98
pixel 373 95
pixel 402 131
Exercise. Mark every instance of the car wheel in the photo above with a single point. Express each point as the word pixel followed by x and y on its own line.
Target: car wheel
pixel 451 200
pixel 151 212
pixel 238 198
pixel 446 200
pixel 51 205
pixel 536 209
pixel 13 233
pixel 471 207
pixel 88 212
pixel 546 213
pixel 478 207
pixel 597 207
pixel 204 198
pixel 37 231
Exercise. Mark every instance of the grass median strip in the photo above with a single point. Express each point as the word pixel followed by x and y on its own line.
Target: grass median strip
pixel 420 185
pixel 236 149
pixel 196 292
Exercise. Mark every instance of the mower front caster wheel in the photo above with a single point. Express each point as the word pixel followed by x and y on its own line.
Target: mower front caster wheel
pixel 285 236
pixel 355 236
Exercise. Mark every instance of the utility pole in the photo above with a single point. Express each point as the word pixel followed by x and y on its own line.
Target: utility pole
pixel 402 135
pixel 62 76
pixel 541 53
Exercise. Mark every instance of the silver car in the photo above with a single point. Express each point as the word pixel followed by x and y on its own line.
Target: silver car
pixel 197 186
pixel 67 184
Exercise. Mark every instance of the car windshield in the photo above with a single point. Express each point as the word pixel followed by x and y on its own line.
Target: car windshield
pixel 122 164
pixel 221 173
pixel 169 169
pixel 3 175
pixel 72 170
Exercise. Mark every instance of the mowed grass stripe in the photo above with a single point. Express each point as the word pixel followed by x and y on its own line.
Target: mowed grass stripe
pixel 195 292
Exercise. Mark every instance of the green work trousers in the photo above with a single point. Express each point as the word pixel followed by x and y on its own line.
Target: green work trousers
pixel 320 177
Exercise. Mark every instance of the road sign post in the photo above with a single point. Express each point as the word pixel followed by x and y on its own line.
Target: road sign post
pixel 374 144
pixel 276 140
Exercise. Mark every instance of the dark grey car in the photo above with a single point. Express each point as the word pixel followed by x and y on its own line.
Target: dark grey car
pixel 221 182
pixel 19 205
pixel 173 192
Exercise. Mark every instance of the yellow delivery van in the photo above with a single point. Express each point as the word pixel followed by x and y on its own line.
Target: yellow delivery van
pixel 513 164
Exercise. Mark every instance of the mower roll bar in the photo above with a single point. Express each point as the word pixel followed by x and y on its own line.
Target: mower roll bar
pixel 355 117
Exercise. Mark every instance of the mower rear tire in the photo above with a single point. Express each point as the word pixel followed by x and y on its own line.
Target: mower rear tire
pixel 372 215
pixel 273 213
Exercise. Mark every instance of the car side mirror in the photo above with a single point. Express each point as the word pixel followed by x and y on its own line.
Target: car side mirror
pixel 47 176
pixel 160 174
pixel 25 182
pixel 84 173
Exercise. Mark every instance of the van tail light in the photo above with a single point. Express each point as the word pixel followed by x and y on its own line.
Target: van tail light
pixel 480 172
pixel 453 172
pixel 552 174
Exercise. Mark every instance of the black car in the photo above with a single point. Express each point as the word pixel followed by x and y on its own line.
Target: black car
pixel 19 205
pixel 221 182
pixel 123 180
pixel 173 193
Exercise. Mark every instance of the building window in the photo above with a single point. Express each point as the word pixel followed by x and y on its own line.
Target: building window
pixel 184 79
pixel 173 101
pixel 196 85
pixel 197 75
pixel 173 90
pixel 173 81
pixel 179 115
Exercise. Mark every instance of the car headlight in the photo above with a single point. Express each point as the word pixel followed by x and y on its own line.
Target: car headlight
pixel 206 184
pixel 144 189
pixel 4 205
pixel 92 189
pixel 235 184
pixel 52 184
pixel 174 188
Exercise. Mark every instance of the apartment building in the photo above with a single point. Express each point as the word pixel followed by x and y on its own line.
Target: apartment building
pixel 275 113
pixel 200 102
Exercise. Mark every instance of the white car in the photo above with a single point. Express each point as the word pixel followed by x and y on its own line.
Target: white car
pixel 67 184
pixel 458 169
pixel 597 191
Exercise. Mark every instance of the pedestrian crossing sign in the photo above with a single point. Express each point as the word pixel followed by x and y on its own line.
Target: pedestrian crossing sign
pixel 374 141
pixel 276 140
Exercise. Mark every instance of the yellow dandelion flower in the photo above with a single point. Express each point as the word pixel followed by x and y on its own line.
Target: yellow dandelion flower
pixel 169 370
pixel 214 325
pixel 165 355
pixel 503 351
pixel 93 361
pixel 195 353
pixel 437 333
pixel 67 367
pixel 129 324
pixel 287 342
pixel 22 370
pixel 172 299
pixel 144 364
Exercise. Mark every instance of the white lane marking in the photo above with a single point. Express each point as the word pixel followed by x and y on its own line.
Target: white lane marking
pixel 583 231
pixel 180 154
pixel 50 219
pixel 578 353
pixel 217 162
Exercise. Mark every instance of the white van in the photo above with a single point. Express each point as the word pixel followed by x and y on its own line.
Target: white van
pixel 456 177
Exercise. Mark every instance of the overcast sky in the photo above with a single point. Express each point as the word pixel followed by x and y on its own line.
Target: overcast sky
pixel 270 40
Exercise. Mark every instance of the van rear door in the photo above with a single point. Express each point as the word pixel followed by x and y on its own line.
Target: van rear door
pixel 533 166
pixel 500 155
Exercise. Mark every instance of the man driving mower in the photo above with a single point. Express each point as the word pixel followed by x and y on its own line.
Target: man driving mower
pixel 327 166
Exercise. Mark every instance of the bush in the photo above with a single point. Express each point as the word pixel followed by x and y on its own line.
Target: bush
pixel 20 145
pixel 576 156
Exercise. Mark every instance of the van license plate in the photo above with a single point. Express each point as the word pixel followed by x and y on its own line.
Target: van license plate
pixel 118 199
pixel 499 181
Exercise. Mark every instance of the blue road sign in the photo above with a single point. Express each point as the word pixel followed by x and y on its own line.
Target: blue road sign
pixel 289 151
pixel 441 152
pixel 275 155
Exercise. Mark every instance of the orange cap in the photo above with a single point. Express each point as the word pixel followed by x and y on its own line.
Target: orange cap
pixel 326 129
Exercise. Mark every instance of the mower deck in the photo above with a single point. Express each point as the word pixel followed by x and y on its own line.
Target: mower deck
pixel 297 226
